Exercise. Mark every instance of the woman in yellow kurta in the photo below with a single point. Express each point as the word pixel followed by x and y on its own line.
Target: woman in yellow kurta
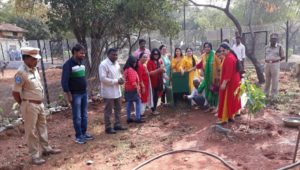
pixel 177 66
pixel 189 65
pixel 176 63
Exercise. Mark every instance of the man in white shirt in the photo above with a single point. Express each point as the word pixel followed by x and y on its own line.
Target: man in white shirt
pixel 239 49
pixel 111 81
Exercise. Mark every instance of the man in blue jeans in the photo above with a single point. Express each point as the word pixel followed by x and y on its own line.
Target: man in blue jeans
pixel 74 84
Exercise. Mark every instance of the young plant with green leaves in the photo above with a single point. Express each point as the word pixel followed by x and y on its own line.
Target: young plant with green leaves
pixel 255 97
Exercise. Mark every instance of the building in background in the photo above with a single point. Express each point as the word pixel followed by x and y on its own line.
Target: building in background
pixel 11 39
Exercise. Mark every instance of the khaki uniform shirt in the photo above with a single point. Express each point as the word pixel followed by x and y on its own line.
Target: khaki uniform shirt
pixel 274 53
pixel 28 83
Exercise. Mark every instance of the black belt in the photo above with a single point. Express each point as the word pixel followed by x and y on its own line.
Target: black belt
pixel 272 61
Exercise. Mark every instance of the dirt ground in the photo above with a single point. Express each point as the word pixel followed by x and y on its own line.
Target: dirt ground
pixel 266 144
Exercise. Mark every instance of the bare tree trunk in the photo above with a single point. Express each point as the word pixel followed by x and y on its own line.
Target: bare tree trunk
pixel 251 53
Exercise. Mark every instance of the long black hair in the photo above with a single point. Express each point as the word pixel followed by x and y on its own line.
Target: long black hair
pixel 227 47
pixel 181 55
pixel 239 66
pixel 193 59
pixel 161 47
pixel 209 44
pixel 130 63
pixel 155 50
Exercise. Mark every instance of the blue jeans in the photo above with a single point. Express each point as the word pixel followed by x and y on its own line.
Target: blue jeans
pixel 137 109
pixel 79 111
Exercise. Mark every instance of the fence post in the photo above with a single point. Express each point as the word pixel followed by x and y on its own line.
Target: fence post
pixel 171 47
pixel 51 51
pixel 149 42
pixel 44 74
pixel 184 24
pixel 45 49
pixel 68 48
pixel 2 52
pixel 287 41
pixel 221 32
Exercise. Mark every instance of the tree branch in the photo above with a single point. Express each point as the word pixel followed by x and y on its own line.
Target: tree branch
pixel 208 5
pixel 225 10
pixel 227 5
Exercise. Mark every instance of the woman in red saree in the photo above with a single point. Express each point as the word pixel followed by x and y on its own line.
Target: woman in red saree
pixel 229 101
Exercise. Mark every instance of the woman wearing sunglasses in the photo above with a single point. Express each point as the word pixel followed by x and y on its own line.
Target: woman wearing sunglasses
pixel 156 71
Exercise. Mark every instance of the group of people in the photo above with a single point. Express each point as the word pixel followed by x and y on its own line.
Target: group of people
pixel 214 81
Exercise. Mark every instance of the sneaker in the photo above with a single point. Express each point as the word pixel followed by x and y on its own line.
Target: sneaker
pixel 88 137
pixel 80 141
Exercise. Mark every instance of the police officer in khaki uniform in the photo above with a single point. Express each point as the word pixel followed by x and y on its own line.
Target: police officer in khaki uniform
pixel 274 54
pixel 28 91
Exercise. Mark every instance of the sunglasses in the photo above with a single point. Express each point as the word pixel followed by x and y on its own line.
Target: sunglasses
pixel 222 51
pixel 155 54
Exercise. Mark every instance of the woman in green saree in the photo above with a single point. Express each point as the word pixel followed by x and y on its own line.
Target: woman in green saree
pixel 210 65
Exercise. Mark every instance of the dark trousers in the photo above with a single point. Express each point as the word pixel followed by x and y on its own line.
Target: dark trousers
pixel 163 97
pixel 155 99
pixel 111 104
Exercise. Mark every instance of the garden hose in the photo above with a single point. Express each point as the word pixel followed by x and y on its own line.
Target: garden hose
pixel 185 150
pixel 290 166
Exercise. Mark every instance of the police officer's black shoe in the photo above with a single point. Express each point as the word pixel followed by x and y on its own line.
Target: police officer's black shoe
pixel 110 131
pixel 119 128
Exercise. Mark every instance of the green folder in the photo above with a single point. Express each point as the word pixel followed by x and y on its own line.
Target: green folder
pixel 180 83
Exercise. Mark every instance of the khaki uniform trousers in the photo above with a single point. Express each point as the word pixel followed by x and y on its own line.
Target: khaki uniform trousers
pixel 36 134
pixel 272 78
